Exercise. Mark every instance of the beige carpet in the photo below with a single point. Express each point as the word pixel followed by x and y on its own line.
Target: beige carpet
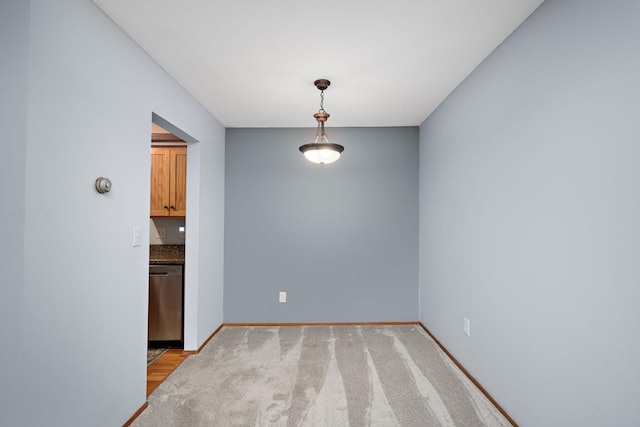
pixel 319 376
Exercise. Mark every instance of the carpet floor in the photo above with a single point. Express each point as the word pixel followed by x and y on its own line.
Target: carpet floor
pixel 335 376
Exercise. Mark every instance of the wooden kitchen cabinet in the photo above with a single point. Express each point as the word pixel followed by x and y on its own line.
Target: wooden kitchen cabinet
pixel 168 181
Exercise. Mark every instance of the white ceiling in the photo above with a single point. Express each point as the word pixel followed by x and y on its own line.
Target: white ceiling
pixel 252 63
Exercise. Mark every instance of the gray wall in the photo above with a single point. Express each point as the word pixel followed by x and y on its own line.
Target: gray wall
pixel 529 218
pixel 79 102
pixel 341 240
pixel 14 49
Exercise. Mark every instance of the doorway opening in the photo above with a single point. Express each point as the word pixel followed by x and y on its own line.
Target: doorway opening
pixel 169 192
pixel 167 233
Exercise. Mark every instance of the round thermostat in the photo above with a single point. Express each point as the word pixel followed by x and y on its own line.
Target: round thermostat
pixel 103 185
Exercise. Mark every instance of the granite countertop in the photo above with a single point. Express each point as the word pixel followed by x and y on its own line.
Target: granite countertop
pixel 166 254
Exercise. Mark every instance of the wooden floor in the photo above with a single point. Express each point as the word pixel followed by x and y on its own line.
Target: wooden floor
pixel 159 370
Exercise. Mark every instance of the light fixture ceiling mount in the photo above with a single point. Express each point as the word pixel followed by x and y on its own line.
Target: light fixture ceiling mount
pixel 322 84
pixel 321 151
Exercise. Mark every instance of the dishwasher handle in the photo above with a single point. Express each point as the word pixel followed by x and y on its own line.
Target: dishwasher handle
pixel 165 270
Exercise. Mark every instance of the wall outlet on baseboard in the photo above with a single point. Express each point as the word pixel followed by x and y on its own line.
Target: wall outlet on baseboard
pixel 283 297
pixel 467 327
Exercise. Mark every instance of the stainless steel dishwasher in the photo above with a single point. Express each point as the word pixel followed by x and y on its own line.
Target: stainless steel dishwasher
pixel 165 303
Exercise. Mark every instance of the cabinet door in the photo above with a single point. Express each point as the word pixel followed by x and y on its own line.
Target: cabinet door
pixel 178 182
pixel 160 173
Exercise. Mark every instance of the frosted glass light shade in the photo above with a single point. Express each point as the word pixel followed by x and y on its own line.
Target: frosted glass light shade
pixel 322 153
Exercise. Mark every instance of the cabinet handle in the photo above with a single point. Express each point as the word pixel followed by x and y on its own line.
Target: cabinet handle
pixel 173 207
pixel 166 207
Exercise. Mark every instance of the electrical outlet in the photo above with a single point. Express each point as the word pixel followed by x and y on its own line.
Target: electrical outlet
pixel 161 233
pixel 283 297
pixel 467 327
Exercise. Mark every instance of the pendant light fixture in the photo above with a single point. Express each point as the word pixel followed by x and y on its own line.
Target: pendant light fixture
pixel 321 151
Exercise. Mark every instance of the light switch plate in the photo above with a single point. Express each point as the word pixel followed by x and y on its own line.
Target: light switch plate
pixel 283 297
pixel 137 237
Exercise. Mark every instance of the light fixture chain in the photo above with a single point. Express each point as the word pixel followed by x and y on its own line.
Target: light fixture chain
pixel 322 102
